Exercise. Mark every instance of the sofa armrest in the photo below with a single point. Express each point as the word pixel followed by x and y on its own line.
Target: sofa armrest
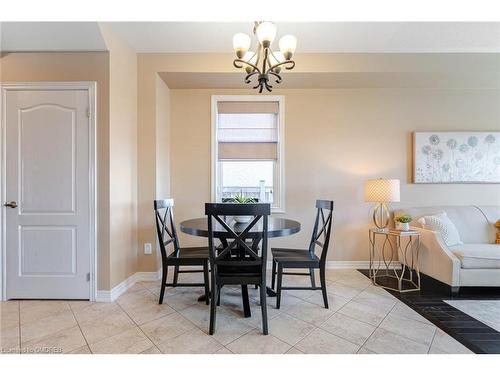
pixel 436 259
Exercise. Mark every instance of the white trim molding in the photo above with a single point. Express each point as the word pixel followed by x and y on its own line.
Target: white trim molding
pixel 354 264
pixel 89 86
pixel 113 294
pixel 118 290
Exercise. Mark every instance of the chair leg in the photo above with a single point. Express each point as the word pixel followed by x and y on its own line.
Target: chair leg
pixel 246 301
pixel 163 282
pixel 278 291
pixel 322 271
pixel 213 307
pixel 205 280
pixel 273 276
pixel 263 306
pixel 176 275
pixel 311 274
pixel 218 295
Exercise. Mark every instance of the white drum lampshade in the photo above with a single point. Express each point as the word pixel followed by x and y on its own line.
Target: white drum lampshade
pixel 382 191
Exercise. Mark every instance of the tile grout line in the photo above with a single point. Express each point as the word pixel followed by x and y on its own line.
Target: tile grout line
pixel 293 347
pixel 319 327
pixel 116 334
pixel 137 325
pixel 47 335
pixel 378 326
pixel 80 328
pixel 195 326
pixel 432 341
pixel 407 338
pixel 19 322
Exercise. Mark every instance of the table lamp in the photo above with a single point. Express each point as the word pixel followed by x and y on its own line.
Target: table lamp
pixel 381 191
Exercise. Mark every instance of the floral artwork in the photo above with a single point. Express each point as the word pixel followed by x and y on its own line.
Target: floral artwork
pixel 451 157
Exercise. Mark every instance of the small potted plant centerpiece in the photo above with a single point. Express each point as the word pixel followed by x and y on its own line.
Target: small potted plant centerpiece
pixel 241 199
pixel 403 222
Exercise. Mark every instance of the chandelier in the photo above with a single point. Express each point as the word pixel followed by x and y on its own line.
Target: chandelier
pixel 264 63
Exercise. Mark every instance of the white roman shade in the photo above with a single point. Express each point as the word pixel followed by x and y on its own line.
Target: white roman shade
pixel 247 130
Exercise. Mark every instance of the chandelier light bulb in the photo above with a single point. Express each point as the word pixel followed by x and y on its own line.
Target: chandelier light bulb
pixel 266 32
pixel 251 57
pixel 288 44
pixel 276 58
pixel 241 44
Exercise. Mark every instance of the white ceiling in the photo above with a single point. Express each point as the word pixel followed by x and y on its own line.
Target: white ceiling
pixel 217 37
pixel 51 36
pixel 318 37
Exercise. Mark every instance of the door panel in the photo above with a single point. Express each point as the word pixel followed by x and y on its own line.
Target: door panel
pixel 48 250
pixel 39 193
pixel 48 175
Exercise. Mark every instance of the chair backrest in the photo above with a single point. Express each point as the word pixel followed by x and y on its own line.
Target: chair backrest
pixel 165 226
pixel 322 228
pixel 235 250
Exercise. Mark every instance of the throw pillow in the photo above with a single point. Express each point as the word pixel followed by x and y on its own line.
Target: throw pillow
pixel 441 223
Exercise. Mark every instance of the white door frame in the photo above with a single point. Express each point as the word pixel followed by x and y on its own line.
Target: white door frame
pixel 91 88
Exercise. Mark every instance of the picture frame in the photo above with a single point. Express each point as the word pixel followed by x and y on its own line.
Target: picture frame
pixel 456 157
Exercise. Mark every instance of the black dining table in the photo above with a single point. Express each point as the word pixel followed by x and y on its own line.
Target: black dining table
pixel 277 227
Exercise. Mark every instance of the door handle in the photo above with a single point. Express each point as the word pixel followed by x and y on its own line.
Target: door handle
pixel 12 204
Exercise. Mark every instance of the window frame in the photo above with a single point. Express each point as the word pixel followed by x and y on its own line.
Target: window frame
pixel 279 165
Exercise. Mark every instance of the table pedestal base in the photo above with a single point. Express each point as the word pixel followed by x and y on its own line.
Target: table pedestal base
pixel 246 301
pixel 270 292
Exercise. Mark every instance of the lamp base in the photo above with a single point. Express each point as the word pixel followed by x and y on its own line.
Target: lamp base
pixel 381 216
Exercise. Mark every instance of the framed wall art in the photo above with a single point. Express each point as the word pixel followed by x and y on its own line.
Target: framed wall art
pixel 456 157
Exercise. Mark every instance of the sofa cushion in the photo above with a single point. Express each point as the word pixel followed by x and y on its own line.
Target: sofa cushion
pixel 492 214
pixel 478 255
pixel 442 224
pixel 471 223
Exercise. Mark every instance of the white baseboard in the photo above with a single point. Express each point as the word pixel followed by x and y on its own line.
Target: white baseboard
pixel 353 264
pixel 117 291
pixel 346 264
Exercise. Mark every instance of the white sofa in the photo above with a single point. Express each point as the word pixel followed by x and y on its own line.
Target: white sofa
pixel 476 262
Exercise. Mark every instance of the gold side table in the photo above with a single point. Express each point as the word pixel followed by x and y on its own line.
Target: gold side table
pixel 394 259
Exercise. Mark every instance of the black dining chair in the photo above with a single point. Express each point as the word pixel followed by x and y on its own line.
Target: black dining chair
pixel 306 259
pixel 241 267
pixel 180 256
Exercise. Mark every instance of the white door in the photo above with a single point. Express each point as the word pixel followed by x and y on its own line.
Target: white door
pixel 48 181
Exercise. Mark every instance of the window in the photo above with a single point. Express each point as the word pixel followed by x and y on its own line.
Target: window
pixel 247 148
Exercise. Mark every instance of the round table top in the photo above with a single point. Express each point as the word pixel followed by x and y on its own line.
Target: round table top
pixel 276 227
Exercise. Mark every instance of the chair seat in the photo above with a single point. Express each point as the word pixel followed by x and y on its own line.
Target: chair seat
pixel 291 256
pixel 191 253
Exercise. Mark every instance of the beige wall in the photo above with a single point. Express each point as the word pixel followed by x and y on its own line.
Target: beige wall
pixel 163 139
pixel 87 66
pixel 334 140
pixel 123 157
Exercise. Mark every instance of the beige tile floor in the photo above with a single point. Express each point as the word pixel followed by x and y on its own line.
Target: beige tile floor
pixel 362 319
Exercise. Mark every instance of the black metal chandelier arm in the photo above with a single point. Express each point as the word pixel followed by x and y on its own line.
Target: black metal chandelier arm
pixel 289 64
pixel 278 77
pixel 236 61
pixel 247 78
